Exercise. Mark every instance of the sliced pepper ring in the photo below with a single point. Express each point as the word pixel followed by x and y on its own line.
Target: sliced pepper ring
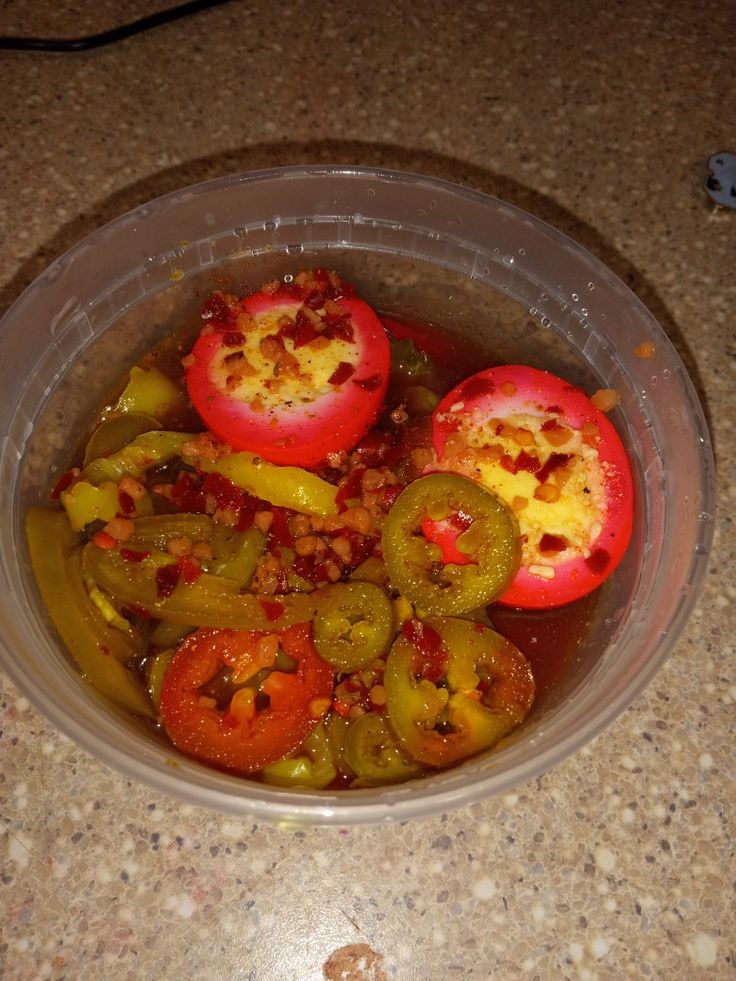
pixel 374 753
pixel 353 625
pixel 241 737
pixel 414 562
pixel 455 688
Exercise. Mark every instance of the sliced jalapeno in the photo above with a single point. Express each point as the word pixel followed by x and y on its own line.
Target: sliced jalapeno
pixel 374 753
pixel 311 766
pixel 354 624
pixel 484 553
pixel 455 688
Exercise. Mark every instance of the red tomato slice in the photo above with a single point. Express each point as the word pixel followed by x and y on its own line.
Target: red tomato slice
pixel 290 376
pixel 242 737
pixel 541 445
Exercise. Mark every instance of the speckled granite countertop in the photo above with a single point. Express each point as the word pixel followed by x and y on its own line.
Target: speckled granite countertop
pixel 598 118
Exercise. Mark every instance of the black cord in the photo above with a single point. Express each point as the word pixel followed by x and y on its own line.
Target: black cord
pixel 107 37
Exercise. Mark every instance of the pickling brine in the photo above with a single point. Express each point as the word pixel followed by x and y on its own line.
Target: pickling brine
pixel 321 549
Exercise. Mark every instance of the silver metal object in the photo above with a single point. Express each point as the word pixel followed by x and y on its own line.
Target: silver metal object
pixel 721 182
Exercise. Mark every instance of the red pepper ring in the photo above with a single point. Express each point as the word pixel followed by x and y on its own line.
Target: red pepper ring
pixel 225 737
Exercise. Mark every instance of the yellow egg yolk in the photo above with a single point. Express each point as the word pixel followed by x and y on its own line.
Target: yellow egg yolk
pixel 272 375
pixel 568 504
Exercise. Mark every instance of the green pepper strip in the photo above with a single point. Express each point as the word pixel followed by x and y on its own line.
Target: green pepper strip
pixel 236 553
pixel 374 753
pixel 150 391
pixel 210 601
pixel 354 624
pixel 476 719
pixel 99 651
pixel 311 766
pixel 116 432
pixel 414 564
pixel 145 451
pixel 154 531
pixel 286 487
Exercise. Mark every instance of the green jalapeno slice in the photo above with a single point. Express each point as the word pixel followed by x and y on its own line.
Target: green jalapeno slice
pixel 374 753
pixel 312 765
pixel 483 554
pixel 354 624
pixel 455 688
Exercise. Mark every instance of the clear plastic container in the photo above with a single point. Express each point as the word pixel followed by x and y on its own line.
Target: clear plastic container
pixel 415 246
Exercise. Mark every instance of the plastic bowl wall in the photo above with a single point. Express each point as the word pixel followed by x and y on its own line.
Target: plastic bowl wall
pixel 415 246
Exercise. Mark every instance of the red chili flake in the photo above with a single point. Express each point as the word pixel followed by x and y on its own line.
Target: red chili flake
pixel 598 560
pixel 187 493
pixel 304 331
pixel 554 408
pixel 315 299
pixel 233 338
pixel 215 308
pixel 167 578
pixel 131 555
pixel 461 520
pixel 524 461
pixel 104 649
pixel 310 569
pixel 341 373
pixel 342 708
pixel 374 448
pixel 349 489
pixel 554 462
pixel 340 329
pixel 246 517
pixel 63 482
pixel 189 570
pixel 390 493
pixel 476 387
pixel 279 532
pixel 336 317
pixel 552 543
pixel 103 540
pixel 428 644
pixel 479 628
pixel 272 608
pixel 361 546
pixel 224 491
pixel 370 384
pixel 550 425
pixel 127 504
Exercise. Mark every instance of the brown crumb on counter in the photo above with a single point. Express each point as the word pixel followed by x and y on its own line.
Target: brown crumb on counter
pixel 604 399
pixel 354 962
